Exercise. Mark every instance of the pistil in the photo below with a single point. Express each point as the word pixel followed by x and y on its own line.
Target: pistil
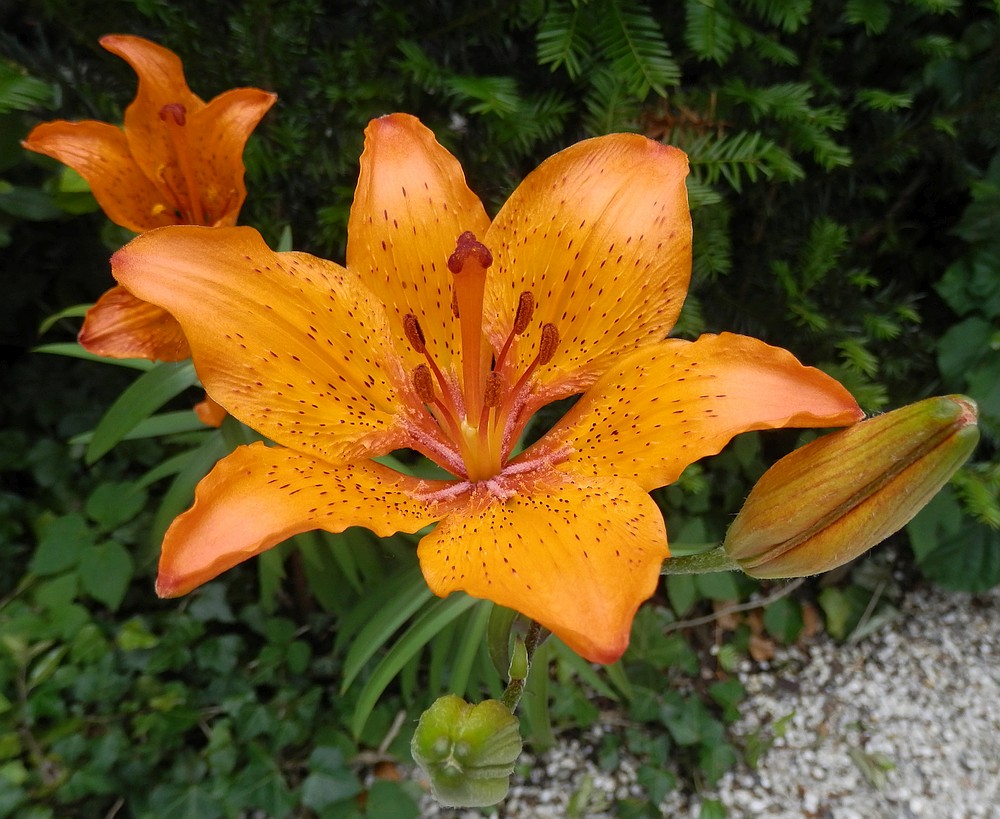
pixel 174 116
pixel 468 264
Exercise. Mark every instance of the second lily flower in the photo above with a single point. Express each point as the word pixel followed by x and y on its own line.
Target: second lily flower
pixel 444 334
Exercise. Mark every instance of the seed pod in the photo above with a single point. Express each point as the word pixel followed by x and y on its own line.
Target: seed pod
pixel 833 499
pixel 467 751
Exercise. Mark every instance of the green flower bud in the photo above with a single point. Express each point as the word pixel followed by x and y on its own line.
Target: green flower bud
pixel 835 498
pixel 519 664
pixel 467 751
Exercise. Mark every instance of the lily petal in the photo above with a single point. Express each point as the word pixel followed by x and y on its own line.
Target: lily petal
pixel 100 154
pixel 578 556
pixel 210 413
pixel 664 407
pixel 293 346
pixel 121 326
pixel 217 135
pixel 259 496
pixel 411 205
pixel 161 82
pixel 600 234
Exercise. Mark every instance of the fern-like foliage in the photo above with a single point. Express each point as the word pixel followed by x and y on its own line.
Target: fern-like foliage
pixel 634 43
pixel 742 156
pixel 563 39
pixel 710 29
pixel 609 106
pixel 788 15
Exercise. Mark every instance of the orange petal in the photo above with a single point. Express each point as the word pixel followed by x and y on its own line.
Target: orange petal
pixel 259 496
pixel 161 82
pixel 210 413
pixel 121 326
pixel 411 205
pixel 291 345
pixel 600 234
pixel 664 407
pixel 217 135
pixel 100 154
pixel 578 556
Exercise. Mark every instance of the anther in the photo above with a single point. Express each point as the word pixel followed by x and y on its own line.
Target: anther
pixel 525 310
pixel 174 111
pixel 548 343
pixel 468 245
pixel 415 335
pixel 423 383
pixel 493 390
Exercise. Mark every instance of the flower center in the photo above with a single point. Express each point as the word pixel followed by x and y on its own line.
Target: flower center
pixel 479 418
pixel 174 117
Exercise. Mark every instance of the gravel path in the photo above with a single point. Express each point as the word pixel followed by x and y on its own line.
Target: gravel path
pixel 905 723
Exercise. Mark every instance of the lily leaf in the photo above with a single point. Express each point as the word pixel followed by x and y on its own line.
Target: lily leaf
pixel 434 618
pixel 74 350
pixel 145 395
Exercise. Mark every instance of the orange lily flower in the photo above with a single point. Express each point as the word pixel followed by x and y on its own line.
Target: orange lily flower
pixel 178 161
pixel 444 334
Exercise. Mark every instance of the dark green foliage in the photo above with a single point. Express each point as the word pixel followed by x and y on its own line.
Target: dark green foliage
pixel 844 186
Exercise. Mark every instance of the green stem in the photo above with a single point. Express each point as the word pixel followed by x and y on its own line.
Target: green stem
pixel 714 560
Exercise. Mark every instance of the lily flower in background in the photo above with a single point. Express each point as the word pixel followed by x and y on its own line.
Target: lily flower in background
pixel 444 334
pixel 178 161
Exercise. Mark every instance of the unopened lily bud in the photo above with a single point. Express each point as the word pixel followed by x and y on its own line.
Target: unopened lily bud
pixel 833 499
pixel 519 664
pixel 467 751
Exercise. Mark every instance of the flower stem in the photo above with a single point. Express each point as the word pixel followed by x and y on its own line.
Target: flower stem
pixel 714 560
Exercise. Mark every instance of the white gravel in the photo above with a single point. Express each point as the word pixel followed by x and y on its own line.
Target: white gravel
pixel 905 723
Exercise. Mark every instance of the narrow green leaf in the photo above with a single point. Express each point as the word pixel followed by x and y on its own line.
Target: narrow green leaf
pixel 434 618
pixel 470 639
pixel 74 350
pixel 146 394
pixel 395 602
pixel 76 311
pixel 156 426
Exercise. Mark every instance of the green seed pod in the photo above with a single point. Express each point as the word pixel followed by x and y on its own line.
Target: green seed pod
pixel 467 751
pixel 833 499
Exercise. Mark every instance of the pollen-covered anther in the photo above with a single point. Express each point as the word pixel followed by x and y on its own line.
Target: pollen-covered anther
pixel 174 112
pixel 493 391
pixel 423 383
pixel 469 246
pixel 525 310
pixel 414 334
pixel 548 343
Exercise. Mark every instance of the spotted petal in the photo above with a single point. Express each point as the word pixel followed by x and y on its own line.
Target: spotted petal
pixel 259 496
pixel 122 326
pixel 216 136
pixel 289 344
pixel 600 234
pixel 100 154
pixel 411 205
pixel 664 407
pixel 161 82
pixel 578 556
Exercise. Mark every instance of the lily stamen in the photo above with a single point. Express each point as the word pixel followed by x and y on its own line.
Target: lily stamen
pixel 525 310
pixel 174 115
